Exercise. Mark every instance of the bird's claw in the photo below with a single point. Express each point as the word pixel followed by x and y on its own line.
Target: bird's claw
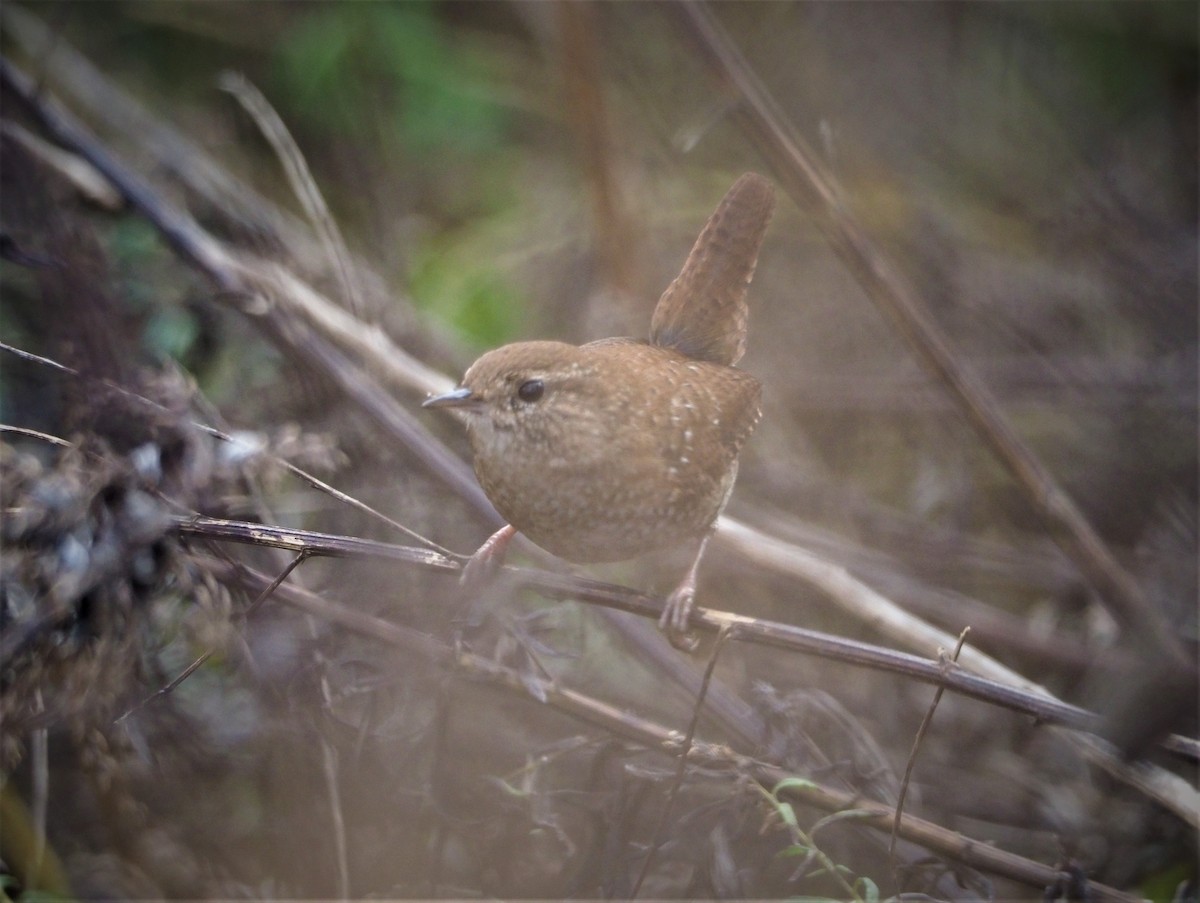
pixel 481 568
pixel 675 618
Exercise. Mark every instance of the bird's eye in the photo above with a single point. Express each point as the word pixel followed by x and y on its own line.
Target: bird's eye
pixel 531 390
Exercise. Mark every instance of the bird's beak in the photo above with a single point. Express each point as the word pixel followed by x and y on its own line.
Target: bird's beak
pixel 461 397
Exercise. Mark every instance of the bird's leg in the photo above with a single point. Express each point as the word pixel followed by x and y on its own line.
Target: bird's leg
pixel 678 611
pixel 482 566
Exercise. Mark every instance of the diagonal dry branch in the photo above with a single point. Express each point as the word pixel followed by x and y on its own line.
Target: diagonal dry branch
pixel 816 192
pixel 303 185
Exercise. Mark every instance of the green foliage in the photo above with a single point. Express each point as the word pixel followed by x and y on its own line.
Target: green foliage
pixel 11 890
pixel 136 251
pixel 387 70
pixel 395 78
pixel 459 283
pixel 170 331
pixel 867 888
pixel 1126 54
pixel 1164 885
pixel 863 889
pixel 149 284
pixel 792 783
pixel 39 896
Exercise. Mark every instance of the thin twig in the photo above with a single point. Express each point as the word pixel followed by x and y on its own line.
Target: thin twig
pixel 209 653
pixel 77 171
pixel 304 186
pixel 656 836
pixel 1166 788
pixel 916 747
pixel 40 768
pixel 36 434
pixel 329 760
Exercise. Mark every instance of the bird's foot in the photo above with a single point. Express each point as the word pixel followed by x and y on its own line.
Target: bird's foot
pixel 481 567
pixel 677 614
pixel 478 574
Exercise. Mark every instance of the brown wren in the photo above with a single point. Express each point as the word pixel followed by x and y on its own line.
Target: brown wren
pixel 609 450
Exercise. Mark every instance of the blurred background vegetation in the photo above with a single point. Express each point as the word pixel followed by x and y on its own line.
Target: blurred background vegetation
pixel 524 170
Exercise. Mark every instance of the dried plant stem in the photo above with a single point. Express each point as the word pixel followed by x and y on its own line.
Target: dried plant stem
pixel 329 760
pixel 656 836
pixel 40 768
pixel 208 653
pixel 916 748
pixel 583 82
pixel 86 180
pixel 300 178
pixel 1170 790
pixel 36 434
